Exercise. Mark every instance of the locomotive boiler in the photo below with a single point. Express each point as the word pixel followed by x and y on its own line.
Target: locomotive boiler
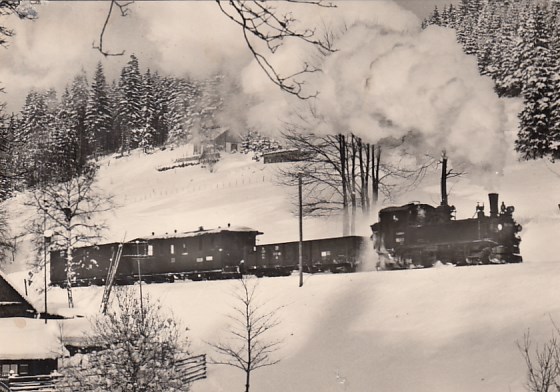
pixel 420 235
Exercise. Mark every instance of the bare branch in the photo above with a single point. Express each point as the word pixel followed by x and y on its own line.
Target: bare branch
pixel 123 7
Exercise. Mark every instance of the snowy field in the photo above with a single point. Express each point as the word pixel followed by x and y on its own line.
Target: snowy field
pixel 440 329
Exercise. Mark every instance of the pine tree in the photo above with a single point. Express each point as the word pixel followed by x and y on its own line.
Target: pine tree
pixel 131 103
pixel 434 18
pixel 33 135
pixel 98 114
pixel 147 133
pixel 65 143
pixel 79 94
pixel 8 148
pixel 506 59
pixel 555 69
pixel 116 136
pixel 183 111
pixel 162 103
pixel 533 140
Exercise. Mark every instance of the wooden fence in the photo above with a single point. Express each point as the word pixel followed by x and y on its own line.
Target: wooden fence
pixel 44 383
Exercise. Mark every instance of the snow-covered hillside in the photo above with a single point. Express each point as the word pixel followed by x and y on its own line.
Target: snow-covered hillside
pixel 440 329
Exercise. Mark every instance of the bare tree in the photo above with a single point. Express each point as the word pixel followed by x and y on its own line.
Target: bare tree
pixel 337 171
pixel 542 362
pixel 248 347
pixel 446 174
pixel 262 24
pixel 68 208
pixel 139 348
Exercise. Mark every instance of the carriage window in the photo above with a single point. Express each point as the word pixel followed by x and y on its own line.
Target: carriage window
pixel 209 258
pixel 325 253
pixel 199 259
pixel 6 368
pixel 276 247
pixel 150 250
pixel 173 259
pixel 23 369
pixel 172 249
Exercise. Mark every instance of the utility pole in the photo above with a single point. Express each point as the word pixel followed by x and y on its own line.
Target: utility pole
pixel 300 230
pixel 140 282
pixel 46 242
pixel 443 182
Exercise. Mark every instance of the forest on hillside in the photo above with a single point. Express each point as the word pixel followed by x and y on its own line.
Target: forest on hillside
pixel 517 44
pixel 57 131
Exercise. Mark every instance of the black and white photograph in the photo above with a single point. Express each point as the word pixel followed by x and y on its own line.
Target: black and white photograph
pixel 279 196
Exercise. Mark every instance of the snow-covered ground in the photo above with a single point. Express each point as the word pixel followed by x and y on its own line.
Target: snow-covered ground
pixel 440 329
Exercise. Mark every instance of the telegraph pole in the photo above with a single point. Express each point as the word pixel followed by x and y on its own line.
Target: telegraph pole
pixel 46 242
pixel 300 230
pixel 140 282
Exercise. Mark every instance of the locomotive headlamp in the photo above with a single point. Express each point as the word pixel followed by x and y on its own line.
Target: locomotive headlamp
pixel 500 227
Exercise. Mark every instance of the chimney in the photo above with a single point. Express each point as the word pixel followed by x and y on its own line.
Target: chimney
pixel 493 197
pixel 229 225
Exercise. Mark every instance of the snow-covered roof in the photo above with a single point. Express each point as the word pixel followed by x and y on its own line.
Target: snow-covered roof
pixel 25 338
pixel 24 298
pixel 200 231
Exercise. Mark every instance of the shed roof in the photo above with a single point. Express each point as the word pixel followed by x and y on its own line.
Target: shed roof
pixel 25 338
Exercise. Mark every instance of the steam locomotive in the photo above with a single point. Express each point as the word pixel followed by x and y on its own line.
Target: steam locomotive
pixel 420 235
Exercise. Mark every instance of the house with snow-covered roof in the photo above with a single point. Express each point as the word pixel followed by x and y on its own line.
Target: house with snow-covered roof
pixel 29 347
pixel 12 302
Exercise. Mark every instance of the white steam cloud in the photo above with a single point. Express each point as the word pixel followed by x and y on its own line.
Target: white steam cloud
pixel 389 79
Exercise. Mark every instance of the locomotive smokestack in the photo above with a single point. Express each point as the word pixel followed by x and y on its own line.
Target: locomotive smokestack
pixel 493 197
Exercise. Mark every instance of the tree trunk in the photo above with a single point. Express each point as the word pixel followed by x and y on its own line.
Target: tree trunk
pixel 376 160
pixel 363 176
pixel 353 186
pixel 69 267
pixel 344 179
pixel 69 277
pixel 365 186
pixel 247 380
pixel 444 179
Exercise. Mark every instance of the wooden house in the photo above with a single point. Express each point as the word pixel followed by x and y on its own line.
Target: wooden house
pixel 12 302
pixel 29 347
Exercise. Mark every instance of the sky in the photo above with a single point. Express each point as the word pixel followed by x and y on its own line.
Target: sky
pixel 172 37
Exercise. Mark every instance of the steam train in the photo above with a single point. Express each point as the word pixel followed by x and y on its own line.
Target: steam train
pixel 420 235
pixel 203 254
pixel 408 236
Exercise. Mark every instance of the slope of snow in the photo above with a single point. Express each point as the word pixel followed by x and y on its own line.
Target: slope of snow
pixel 439 329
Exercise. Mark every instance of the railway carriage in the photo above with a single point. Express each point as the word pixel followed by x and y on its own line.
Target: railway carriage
pixel 339 254
pixel 201 254
pixel 197 255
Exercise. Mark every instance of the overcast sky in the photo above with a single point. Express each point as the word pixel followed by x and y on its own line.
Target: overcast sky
pixel 178 38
